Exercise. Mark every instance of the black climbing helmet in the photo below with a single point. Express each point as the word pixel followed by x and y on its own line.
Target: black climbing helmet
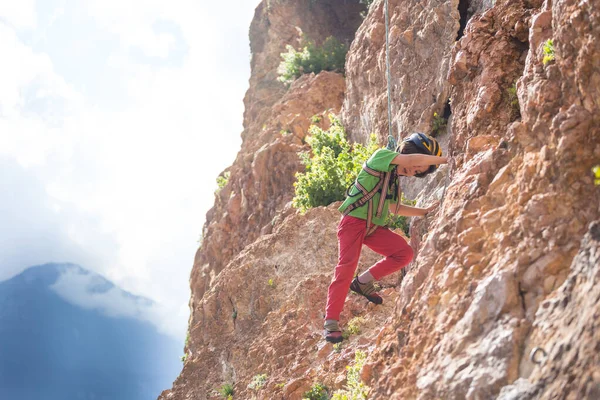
pixel 425 145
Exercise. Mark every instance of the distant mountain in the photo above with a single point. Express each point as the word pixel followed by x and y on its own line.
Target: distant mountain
pixel 53 349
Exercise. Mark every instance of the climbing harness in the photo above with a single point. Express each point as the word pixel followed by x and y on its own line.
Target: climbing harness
pixel 533 355
pixel 382 186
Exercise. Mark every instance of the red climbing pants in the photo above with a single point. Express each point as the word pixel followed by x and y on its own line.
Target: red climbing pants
pixel 351 236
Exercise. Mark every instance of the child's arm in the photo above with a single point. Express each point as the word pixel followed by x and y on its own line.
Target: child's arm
pixel 413 160
pixel 409 211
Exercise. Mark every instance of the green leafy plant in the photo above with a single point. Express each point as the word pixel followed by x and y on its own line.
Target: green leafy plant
pixel 285 132
pixel 355 388
pixel 513 101
pixel 258 381
pixel 353 327
pixel 438 124
pixel 331 56
pixel 596 171
pixel 271 283
pixel 227 390
pixel 184 357
pixel 315 119
pixel 337 347
pixel 222 180
pixel 548 51
pixel 280 385
pixel 331 169
pixel 316 392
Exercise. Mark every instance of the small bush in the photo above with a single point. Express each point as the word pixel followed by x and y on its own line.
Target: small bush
pixel 316 392
pixel 271 283
pixel 226 391
pixel 548 51
pixel 258 381
pixel 222 181
pixel 184 357
pixel 438 124
pixel 596 171
pixel 355 389
pixel 332 168
pixel 312 58
pixel 353 327
pixel 513 101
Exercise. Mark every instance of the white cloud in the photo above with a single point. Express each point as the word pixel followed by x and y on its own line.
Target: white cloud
pixel 121 117
pixel 21 14
pixel 37 228
pixel 93 292
pixel 34 103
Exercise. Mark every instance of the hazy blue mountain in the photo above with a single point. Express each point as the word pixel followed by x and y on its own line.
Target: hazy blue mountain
pixel 52 349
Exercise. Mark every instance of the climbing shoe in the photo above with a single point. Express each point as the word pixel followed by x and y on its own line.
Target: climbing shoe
pixel 333 333
pixel 367 290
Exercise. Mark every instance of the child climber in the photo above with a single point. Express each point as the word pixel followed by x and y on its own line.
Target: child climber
pixel 375 193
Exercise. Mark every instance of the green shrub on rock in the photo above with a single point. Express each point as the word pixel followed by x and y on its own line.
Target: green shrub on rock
pixel 258 381
pixel 548 51
pixel 331 169
pixel 316 392
pixel 331 56
pixel 355 388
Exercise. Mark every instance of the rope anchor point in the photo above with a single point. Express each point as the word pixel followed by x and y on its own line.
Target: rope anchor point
pixel 533 355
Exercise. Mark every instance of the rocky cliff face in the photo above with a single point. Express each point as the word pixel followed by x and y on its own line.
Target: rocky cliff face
pixel 508 264
pixel 275 123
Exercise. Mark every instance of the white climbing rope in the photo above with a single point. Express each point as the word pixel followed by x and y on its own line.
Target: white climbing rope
pixel 387 67
pixel 391 141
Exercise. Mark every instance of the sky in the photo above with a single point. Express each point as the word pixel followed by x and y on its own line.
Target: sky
pixel 116 117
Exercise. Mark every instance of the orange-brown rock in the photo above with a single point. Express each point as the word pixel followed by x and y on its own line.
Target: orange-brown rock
pixel 421 36
pixel 263 314
pixel 526 187
pixel 502 267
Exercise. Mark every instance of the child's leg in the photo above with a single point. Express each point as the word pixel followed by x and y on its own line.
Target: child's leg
pixel 397 252
pixel 350 234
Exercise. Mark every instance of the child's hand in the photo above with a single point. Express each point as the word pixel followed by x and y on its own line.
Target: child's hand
pixel 432 207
